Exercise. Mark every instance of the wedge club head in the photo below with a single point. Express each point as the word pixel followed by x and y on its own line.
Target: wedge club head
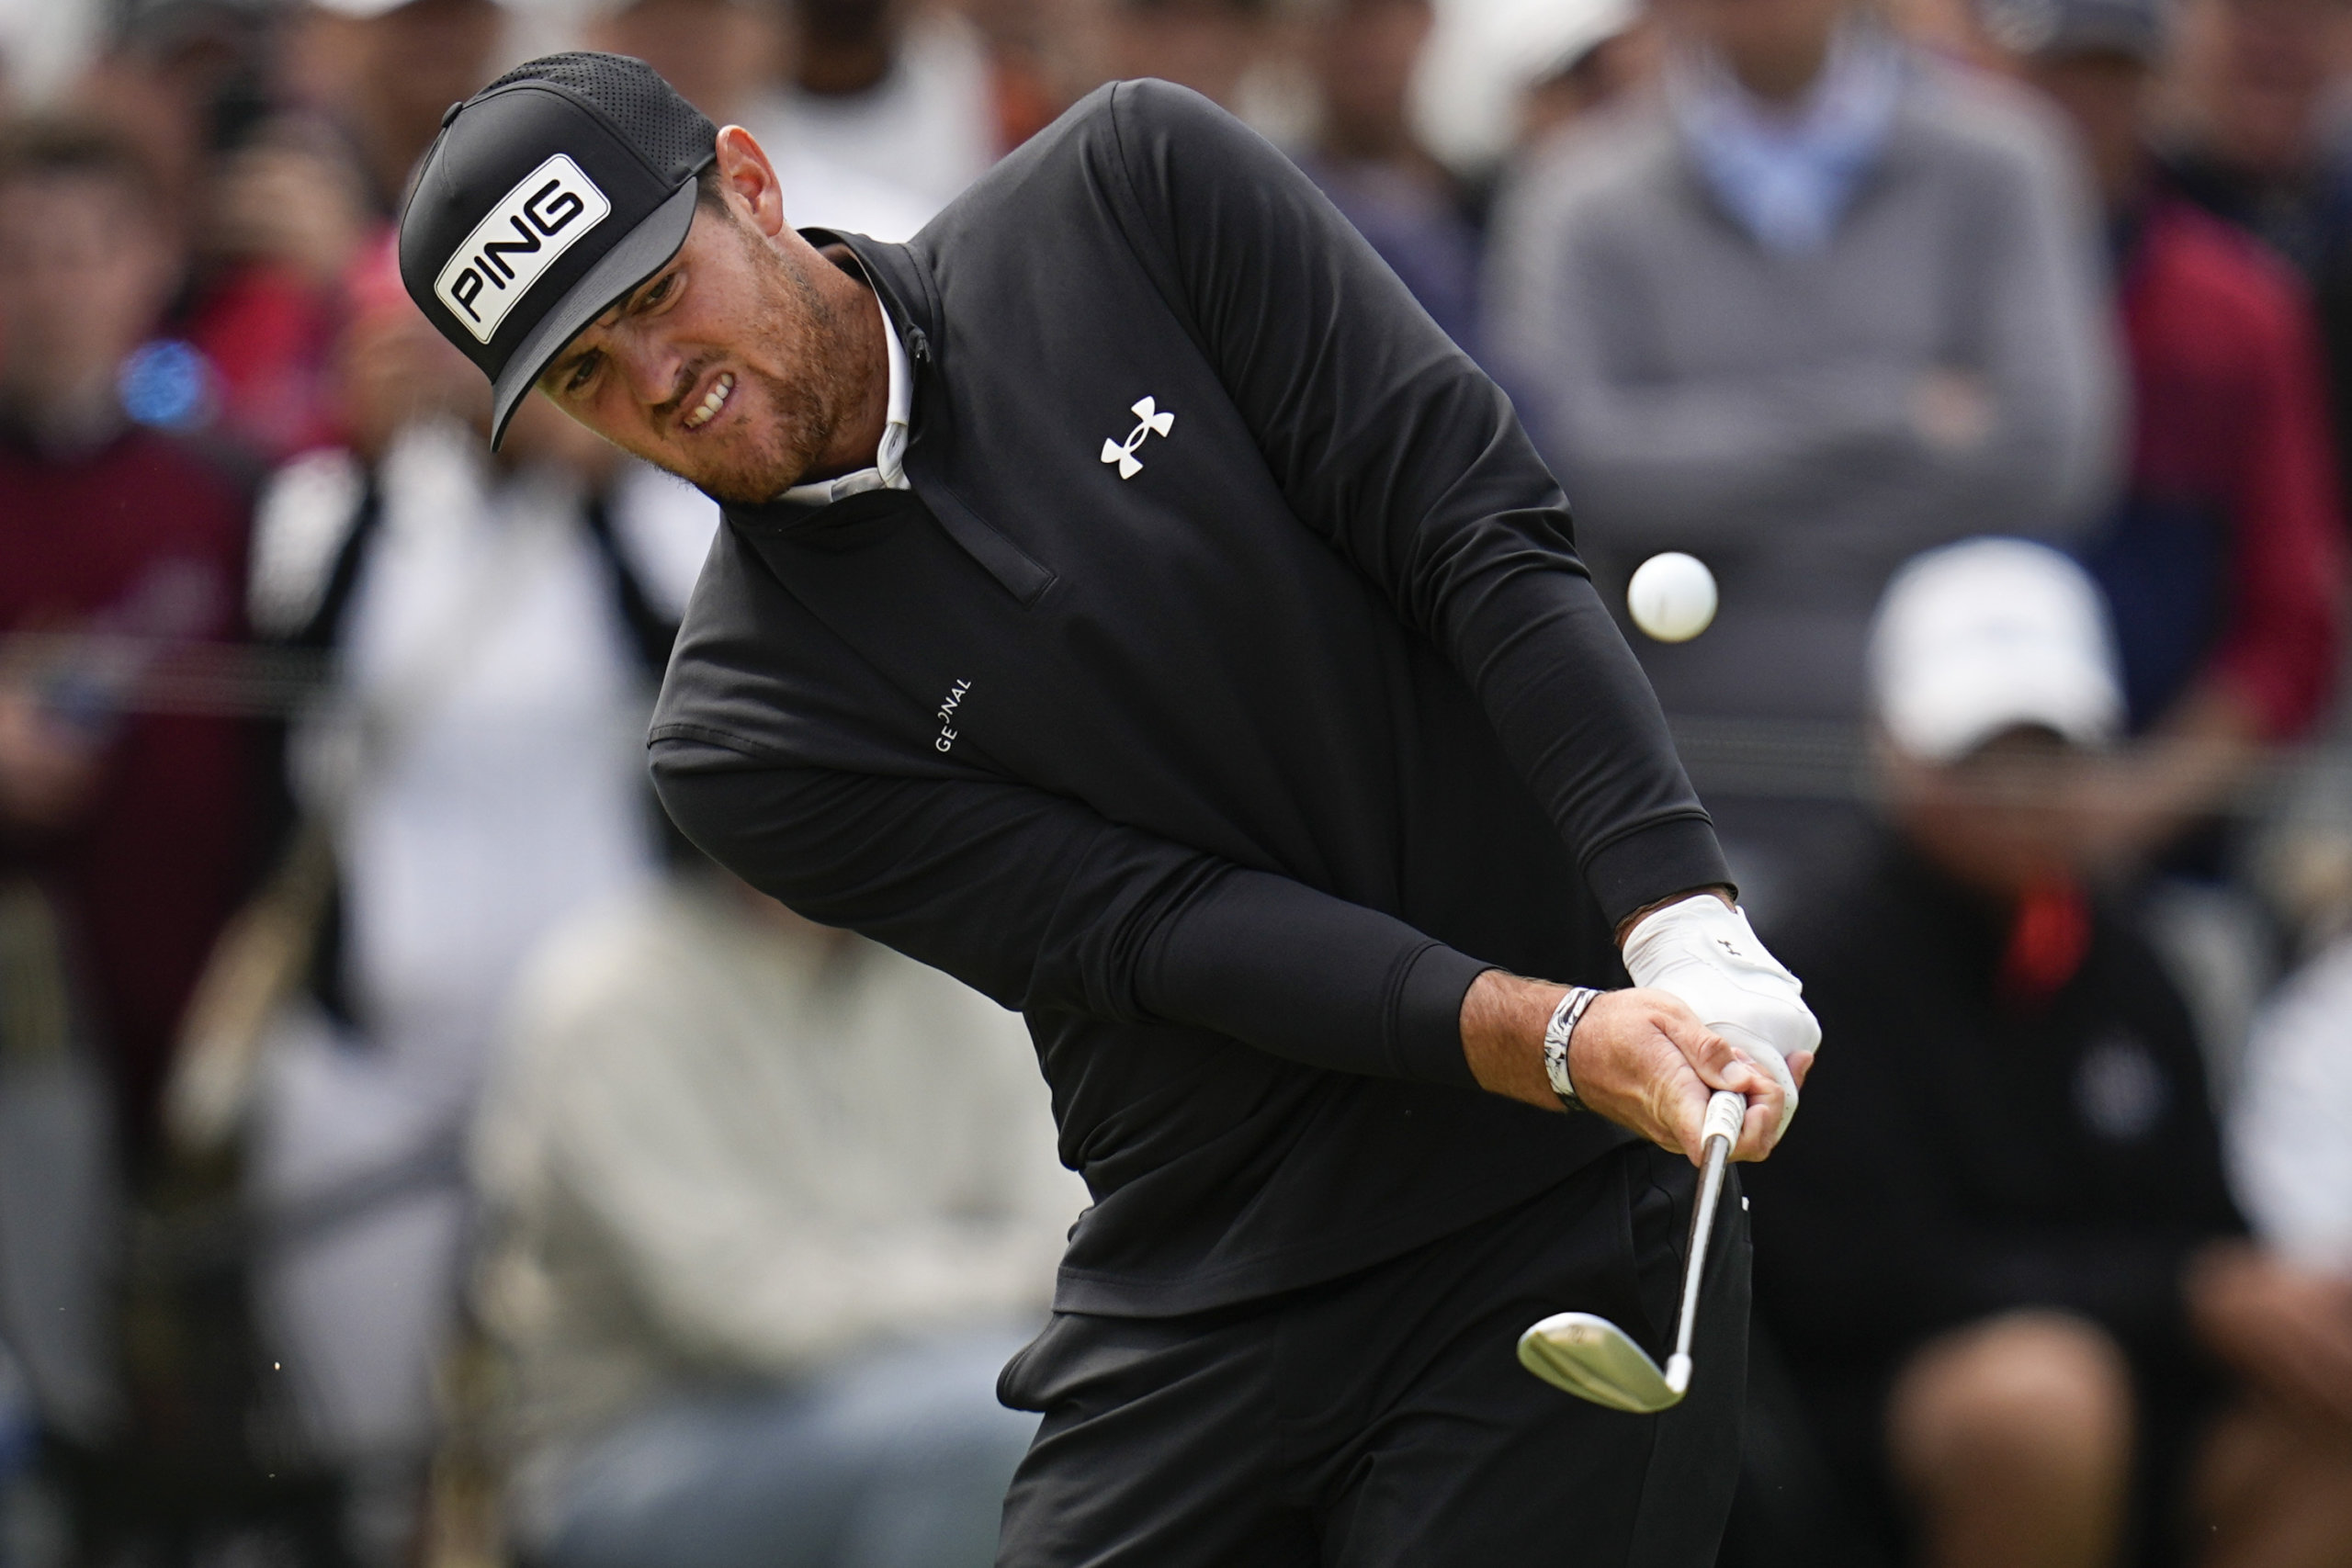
pixel 1593 1358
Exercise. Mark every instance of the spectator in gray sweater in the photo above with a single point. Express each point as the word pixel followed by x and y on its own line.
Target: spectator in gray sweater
pixel 1817 304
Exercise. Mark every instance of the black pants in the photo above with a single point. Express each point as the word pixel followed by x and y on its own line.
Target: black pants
pixel 1385 1419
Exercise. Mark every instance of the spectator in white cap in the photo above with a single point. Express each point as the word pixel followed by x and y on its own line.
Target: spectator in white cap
pixel 2003 1263
pixel 1577 59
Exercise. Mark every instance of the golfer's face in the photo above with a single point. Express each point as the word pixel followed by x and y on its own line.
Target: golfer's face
pixel 694 370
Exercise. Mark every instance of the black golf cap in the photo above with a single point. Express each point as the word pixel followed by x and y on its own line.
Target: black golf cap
pixel 547 197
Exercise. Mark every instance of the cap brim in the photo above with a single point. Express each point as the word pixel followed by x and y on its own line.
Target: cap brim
pixel 1943 718
pixel 640 253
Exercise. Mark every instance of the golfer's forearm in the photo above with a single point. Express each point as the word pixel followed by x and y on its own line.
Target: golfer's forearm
pixel 1314 978
pixel 1502 1022
pixel 1044 906
pixel 1580 724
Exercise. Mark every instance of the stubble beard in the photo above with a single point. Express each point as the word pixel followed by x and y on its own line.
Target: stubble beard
pixel 798 414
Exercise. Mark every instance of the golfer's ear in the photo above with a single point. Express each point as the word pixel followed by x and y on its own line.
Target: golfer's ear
pixel 745 174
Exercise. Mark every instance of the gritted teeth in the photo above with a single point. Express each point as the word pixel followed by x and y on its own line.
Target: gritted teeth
pixel 700 415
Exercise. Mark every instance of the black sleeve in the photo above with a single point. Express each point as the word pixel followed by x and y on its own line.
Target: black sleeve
pixel 1043 905
pixel 1388 441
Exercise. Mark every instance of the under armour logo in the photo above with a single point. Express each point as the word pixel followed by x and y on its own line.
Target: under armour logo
pixel 1124 453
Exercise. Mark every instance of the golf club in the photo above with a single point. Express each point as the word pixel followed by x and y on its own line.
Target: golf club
pixel 1591 1357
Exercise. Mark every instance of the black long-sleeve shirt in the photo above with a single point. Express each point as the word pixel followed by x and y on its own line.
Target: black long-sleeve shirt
pixel 1968 1155
pixel 1228 735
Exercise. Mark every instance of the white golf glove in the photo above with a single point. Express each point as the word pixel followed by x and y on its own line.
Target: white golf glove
pixel 1705 952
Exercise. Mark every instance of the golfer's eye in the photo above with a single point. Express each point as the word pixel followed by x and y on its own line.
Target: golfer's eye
pixel 658 293
pixel 583 372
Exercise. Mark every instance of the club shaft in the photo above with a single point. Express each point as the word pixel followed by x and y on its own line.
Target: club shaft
pixel 1702 1228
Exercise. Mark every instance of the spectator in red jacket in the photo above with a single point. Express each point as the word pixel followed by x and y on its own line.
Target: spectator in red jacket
pixel 270 209
pixel 2251 130
pixel 2223 563
pixel 123 547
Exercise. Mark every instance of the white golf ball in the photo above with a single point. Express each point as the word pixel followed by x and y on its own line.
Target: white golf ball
pixel 1672 596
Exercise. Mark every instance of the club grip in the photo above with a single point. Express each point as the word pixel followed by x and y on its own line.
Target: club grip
pixel 1725 1113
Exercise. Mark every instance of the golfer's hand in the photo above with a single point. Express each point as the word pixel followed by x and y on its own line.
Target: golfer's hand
pixel 1643 1059
pixel 1639 1058
pixel 1699 948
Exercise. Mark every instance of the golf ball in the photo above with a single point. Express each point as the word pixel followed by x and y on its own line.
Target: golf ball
pixel 1672 596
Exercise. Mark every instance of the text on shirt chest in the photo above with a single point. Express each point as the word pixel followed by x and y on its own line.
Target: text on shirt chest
pixel 945 740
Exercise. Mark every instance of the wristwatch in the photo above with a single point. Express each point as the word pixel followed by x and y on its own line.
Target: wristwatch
pixel 1565 1019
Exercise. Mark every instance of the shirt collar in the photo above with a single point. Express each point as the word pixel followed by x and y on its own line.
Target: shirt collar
pixel 1788 177
pixel 888 471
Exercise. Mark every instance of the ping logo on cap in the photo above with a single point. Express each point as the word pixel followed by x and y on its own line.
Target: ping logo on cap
pixel 509 249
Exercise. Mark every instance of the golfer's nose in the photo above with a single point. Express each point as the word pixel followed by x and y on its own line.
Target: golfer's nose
pixel 652 368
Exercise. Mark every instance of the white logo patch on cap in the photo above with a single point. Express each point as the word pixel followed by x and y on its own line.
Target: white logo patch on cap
pixel 508 251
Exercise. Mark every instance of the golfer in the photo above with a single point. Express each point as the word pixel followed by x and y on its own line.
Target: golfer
pixel 1130 603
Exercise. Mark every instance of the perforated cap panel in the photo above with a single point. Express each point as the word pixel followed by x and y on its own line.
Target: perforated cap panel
pixel 671 134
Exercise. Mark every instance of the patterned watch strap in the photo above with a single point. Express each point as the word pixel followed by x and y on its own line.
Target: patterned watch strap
pixel 1565 1019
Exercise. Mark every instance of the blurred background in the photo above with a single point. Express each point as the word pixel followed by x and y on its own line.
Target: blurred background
pixel 411 1153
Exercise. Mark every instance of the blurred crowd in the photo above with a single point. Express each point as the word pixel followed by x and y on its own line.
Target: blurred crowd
pixel 412 1152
